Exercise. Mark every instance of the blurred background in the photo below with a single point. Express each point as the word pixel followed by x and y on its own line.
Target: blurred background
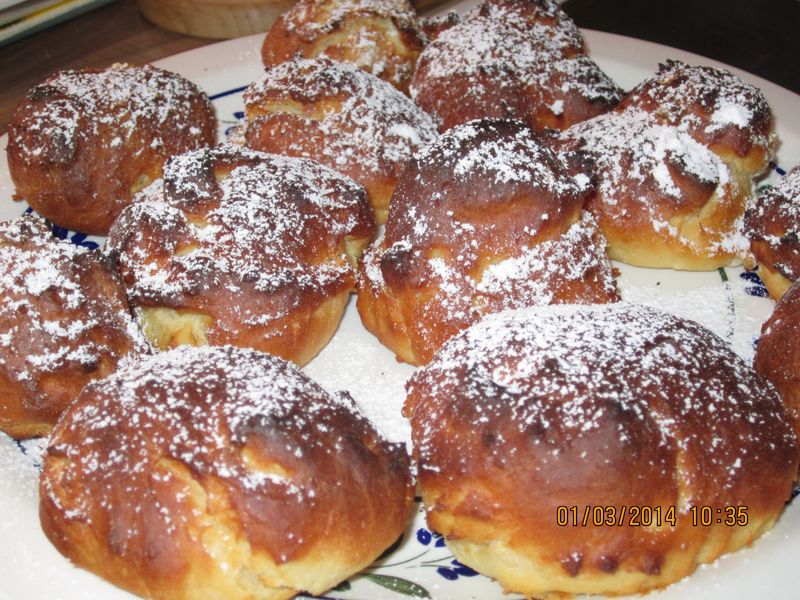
pixel 760 36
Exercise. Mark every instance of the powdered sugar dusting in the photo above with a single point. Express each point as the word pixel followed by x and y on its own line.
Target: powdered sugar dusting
pixel 123 98
pixel 201 408
pixel 367 127
pixel 268 223
pixel 704 101
pixel 571 369
pixel 49 319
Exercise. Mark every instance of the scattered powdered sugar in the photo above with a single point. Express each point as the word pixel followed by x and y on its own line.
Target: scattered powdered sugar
pixel 254 422
pixel 704 100
pixel 633 151
pixel 525 48
pixel 367 126
pixel 500 37
pixel 311 18
pixel 499 151
pixel 49 318
pixel 652 147
pixel 730 113
pixel 512 277
pixel 354 361
pixel 234 219
pixel 123 98
pixel 560 373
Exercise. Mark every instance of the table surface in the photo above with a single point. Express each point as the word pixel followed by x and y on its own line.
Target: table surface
pixel 758 36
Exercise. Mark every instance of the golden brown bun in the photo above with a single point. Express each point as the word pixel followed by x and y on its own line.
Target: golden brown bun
pixel 380 36
pixel 64 321
pixel 773 225
pixel 220 473
pixel 715 107
pixel 609 406
pixel 778 351
pixel 244 248
pixel 483 219
pixel 520 59
pixel 662 199
pixel 340 116
pixel 82 143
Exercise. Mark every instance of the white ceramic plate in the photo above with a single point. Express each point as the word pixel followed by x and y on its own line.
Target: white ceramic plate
pixel 30 568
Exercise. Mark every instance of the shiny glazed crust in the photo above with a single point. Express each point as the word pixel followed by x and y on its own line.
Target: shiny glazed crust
pixel 380 36
pixel 64 321
pixel 778 353
pixel 244 248
pixel 521 59
pixel 220 473
pixel 341 117
pixel 484 218
pixel 82 143
pixel 608 406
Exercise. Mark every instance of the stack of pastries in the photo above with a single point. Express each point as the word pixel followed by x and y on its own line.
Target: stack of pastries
pixel 188 457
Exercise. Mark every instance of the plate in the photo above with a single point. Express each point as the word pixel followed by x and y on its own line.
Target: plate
pixel 730 302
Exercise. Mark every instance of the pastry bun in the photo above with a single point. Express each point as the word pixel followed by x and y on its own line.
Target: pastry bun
pixel 521 59
pixel 662 199
pixel 487 217
pixel 83 142
pixel 340 116
pixel 772 224
pixel 245 248
pixel 645 415
pixel 717 108
pixel 380 36
pixel 64 321
pixel 220 472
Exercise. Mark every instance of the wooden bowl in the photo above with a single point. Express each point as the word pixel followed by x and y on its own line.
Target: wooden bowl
pixel 214 18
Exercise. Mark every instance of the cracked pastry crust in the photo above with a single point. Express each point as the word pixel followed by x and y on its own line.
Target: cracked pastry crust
pixel 241 247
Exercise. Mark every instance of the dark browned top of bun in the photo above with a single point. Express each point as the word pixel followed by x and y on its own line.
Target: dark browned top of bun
pixel 88 136
pixel 146 458
pixel 773 225
pixel 713 105
pixel 490 172
pixel 512 59
pixel 64 321
pixel 594 406
pixel 233 223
